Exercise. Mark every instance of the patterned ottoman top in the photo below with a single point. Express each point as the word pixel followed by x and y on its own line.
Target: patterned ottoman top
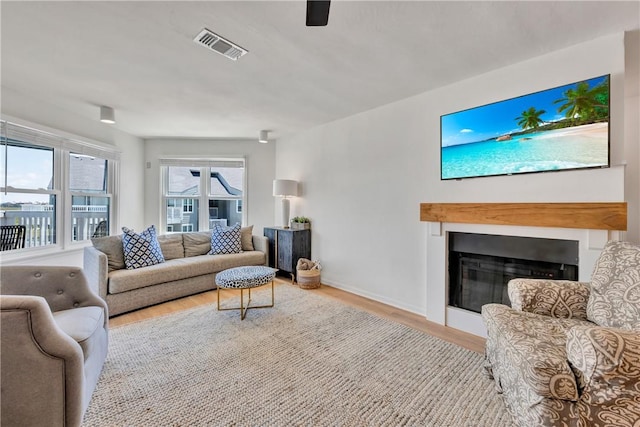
pixel 245 277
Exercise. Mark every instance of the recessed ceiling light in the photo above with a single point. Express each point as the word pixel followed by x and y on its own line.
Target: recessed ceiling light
pixel 107 115
pixel 264 136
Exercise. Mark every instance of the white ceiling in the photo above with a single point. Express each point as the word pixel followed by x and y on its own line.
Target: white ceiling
pixel 139 57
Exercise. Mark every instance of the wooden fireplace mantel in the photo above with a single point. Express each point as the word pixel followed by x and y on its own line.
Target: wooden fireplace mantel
pixel 592 216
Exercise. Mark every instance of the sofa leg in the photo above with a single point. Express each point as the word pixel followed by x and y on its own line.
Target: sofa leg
pixel 488 370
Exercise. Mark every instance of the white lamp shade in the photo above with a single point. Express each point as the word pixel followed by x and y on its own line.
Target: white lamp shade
pixel 285 187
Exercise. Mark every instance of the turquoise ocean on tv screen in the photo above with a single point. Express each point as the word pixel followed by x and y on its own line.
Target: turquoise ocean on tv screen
pixel 568 148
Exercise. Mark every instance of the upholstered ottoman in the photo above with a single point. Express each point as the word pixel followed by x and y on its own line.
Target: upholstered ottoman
pixel 245 278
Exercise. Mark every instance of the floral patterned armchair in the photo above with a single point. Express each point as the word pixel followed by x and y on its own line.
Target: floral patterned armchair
pixel 568 353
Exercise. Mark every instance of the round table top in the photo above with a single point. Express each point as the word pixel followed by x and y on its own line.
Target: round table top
pixel 245 277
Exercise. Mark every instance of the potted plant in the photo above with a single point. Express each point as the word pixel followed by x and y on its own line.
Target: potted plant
pixel 300 223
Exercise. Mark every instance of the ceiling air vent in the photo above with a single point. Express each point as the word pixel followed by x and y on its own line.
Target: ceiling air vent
pixel 219 44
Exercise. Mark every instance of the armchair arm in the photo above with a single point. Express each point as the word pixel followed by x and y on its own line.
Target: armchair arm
pixel 63 288
pixel 42 367
pixel 555 298
pixel 261 243
pixel 96 269
pixel 606 362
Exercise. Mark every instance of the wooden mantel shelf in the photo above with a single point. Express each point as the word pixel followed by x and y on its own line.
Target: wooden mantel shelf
pixel 592 216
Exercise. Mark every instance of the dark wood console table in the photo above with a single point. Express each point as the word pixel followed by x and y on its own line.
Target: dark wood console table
pixel 286 247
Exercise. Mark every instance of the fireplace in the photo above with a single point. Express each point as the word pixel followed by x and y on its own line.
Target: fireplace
pixel 481 265
pixel 587 226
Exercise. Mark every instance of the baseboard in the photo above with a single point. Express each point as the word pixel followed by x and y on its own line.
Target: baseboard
pixel 375 297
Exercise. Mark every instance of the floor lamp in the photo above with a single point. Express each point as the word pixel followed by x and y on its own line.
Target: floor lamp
pixel 285 188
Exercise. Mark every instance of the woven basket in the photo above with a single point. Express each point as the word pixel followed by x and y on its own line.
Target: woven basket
pixel 308 279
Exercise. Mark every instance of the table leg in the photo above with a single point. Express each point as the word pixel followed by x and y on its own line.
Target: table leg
pixel 244 308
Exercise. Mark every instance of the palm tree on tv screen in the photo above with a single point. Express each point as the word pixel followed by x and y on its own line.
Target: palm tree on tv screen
pixel 530 118
pixel 583 103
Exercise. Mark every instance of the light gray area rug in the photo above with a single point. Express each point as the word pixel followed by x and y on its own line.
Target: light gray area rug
pixel 309 361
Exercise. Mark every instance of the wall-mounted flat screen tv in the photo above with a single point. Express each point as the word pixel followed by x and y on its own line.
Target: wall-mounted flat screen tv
pixel 563 128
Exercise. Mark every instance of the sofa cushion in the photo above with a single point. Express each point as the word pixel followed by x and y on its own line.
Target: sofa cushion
pixel 536 347
pixel 178 269
pixel 225 240
pixel 246 238
pixel 82 325
pixel 112 247
pixel 171 246
pixel 216 263
pixel 196 243
pixel 169 271
pixel 141 249
pixel 226 261
pixel 615 287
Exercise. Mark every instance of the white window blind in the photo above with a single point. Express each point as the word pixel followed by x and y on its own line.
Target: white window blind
pixel 203 163
pixel 13 133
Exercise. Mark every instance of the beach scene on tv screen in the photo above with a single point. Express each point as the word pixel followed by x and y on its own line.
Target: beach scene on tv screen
pixel 557 129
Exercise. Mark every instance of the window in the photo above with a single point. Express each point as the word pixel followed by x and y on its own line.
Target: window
pixel 200 193
pixel 181 207
pixel 61 190
pixel 28 194
pixel 187 205
pixel 226 184
pixel 90 200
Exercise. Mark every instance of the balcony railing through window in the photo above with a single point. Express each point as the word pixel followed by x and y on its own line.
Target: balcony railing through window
pixel 40 224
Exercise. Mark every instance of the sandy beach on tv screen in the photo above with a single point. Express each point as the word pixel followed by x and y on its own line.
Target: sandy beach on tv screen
pixel 594 130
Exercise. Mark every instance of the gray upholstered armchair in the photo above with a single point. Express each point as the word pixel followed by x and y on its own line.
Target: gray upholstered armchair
pixel 54 343
pixel 568 353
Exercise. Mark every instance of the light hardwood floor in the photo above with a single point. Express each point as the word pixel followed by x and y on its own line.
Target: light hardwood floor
pixel 406 318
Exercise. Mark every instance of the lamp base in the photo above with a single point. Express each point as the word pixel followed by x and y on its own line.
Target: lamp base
pixel 285 212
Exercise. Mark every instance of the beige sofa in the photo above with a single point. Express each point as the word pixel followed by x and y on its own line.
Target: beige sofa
pixel 568 353
pixel 54 334
pixel 187 270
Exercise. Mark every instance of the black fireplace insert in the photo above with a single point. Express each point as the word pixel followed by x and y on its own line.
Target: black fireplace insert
pixel 481 265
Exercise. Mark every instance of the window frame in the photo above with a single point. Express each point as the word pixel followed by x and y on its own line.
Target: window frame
pixel 204 196
pixel 62 145
pixel 111 184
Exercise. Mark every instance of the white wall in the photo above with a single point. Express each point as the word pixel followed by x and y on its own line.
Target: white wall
pixel 28 110
pixel 632 129
pixel 365 176
pixel 260 170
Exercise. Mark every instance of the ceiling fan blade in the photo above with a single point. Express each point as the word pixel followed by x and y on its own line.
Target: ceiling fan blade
pixel 317 13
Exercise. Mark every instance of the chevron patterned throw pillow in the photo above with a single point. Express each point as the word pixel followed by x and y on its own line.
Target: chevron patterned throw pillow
pixel 141 250
pixel 225 240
